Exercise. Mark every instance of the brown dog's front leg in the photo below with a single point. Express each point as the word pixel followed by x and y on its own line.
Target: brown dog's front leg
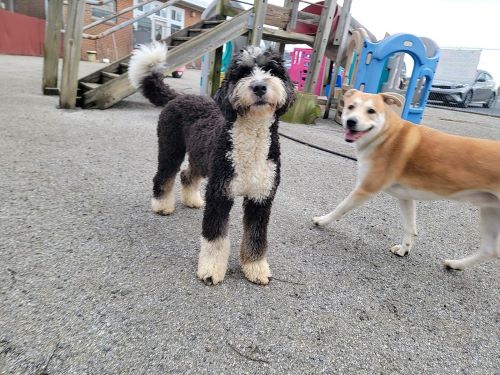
pixel 353 200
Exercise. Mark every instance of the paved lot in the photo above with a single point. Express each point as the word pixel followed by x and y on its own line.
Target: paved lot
pixel 92 282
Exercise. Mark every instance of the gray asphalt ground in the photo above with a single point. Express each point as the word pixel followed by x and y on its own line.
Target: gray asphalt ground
pixel 474 108
pixel 92 282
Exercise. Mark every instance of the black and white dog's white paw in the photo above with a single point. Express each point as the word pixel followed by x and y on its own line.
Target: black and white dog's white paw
pixel 212 260
pixel 257 272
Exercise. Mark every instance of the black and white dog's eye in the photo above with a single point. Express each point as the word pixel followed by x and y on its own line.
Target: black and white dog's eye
pixel 351 107
pixel 371 111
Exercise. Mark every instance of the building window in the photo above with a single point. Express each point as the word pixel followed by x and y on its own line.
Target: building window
pixel 176 15
pixel 105 10
pixel 174 28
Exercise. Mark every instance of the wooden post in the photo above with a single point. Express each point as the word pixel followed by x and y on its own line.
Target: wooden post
pixel 320 42
pixel 345 20
pixel 281 46
pixel 255 35
pixel 293 16
pixel 219 8
pixel 215 73
pixel 52 47
pixel 72 42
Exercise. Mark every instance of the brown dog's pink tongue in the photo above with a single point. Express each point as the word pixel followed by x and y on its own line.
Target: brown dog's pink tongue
pixel 351 136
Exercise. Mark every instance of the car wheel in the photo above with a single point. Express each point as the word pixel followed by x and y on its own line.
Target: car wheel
pixel 490 101
pixel 177 74
pixel 467 100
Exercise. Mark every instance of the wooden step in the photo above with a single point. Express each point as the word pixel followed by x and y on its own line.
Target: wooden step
pixel 50 91
pixel 123 68
pixel 196 31
pixel 178 40
pixel 212 23
pixel 108 76
pixel 182 38
pixel 90 85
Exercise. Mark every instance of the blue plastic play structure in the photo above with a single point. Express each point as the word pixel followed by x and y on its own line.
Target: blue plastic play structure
pixel 373 61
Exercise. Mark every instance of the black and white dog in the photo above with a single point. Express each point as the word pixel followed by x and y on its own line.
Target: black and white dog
pixel 233 141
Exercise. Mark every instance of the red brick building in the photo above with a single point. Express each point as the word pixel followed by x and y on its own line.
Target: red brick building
pixel 121 42
pixel 156 26
pixel 115 45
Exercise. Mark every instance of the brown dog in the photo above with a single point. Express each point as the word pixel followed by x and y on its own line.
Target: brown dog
pixel 419 163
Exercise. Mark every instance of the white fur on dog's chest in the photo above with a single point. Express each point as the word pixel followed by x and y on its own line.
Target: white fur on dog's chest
pixel 253 173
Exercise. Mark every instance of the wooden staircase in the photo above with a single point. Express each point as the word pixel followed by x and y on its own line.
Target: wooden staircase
pixel 109 85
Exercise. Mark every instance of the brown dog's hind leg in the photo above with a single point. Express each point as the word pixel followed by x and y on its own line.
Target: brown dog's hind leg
pixel 490 229
pixel 408 217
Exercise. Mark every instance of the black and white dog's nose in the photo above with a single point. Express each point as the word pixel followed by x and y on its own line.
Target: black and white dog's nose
pixel 351 123
pixel 259 89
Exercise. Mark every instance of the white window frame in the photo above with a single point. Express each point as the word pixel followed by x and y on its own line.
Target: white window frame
pixel 106 9
pixel 155 18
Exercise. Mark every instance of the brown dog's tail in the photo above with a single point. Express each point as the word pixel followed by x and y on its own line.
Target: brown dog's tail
pixel 145 72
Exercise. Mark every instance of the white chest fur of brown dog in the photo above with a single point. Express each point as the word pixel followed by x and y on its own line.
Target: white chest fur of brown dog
pixel 419 163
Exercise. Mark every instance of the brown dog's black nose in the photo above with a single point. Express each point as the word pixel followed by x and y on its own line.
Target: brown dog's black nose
pixel 351 123
pixel 259 89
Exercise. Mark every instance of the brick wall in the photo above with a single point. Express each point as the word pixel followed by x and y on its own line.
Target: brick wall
pixel 191 17
pixel 113 46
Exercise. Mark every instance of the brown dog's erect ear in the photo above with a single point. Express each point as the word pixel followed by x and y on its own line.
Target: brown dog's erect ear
pixel 392 98
pixel 350 93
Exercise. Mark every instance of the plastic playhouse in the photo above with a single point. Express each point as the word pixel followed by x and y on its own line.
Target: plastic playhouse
pixel 374 64
pixel 301 60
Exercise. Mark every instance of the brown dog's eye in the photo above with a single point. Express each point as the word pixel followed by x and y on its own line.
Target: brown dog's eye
pixel 351 107
pixel 371 111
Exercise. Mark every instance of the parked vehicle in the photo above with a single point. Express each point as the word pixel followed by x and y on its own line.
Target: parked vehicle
pixel 179 71
pixel 482 90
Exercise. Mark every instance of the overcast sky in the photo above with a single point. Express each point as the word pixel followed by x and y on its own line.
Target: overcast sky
pixel 450 23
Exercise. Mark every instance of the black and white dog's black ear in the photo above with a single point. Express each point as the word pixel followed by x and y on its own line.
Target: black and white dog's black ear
pixel 221 97
pixel 290 95
pixel 281 72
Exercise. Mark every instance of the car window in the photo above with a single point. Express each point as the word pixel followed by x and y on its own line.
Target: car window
pixel 480 77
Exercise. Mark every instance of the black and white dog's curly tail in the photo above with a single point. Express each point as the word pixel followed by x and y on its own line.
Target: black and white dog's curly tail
pixel 145 72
